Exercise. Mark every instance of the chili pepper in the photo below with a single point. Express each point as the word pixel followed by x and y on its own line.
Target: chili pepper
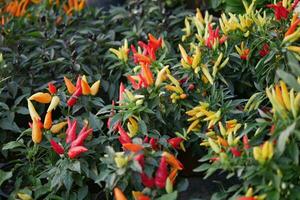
pixel 141 160
pixel 161 173
pixel 133 147
pixel 86 90
pixel 246 198
pixel 78 82
pixel 52 88
pixel 119 194
pixel 95 88
pixel 32 112
pixel 74 97
pixel 36 132
pixel 222 142
pixel 246 142
pixel 191 87
pixel 121 91
pixel 70 87
pixel 146 139
pixel 123 138
pixel 146 181
pixel 235 151
pixel 54 103
pixel 58 127
pixel 76 151
pixel 71 132
pixel 140 196
pixel 171 160
pixel 41 97
pixel 48 120
pixel 81 137
pixel 153 143
pixel 57 147
pixel 173 174
pixel 175 142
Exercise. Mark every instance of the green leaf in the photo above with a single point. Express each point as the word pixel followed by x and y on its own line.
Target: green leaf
pixel 293 64
pixel 202 167
pixel 82 193
pixel 284 137
pixel 4 176
pixel 12 145
pixel 289 79
pixel 171 196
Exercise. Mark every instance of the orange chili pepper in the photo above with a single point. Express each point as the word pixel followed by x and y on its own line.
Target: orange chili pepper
pixel 133 147
pixel 119 194
pixel 172 160
pixel 70 87
pixel 41 97
pixel 86 90
pixel 36 131
pixel 48 120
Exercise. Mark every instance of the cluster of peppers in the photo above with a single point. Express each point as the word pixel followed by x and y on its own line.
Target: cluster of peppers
pixel 76 141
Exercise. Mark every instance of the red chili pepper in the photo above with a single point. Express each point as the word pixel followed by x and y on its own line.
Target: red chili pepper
pixel 52 88
pixel 153 143
pixel 57 147
pixel 146 181
pixel 141 160
pixel 73 99
pixel 121 91
pixel 191 86
pixel 78 82
pixel 124 137
pixel 246 198
pixel 71 132
pixel 76 151
pixel 161 174
pixel 246 142
pixel 235 151
pixel 175 142
pixel 81 137
pixel 146 139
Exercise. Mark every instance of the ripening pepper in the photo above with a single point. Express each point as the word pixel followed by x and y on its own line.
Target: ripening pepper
pixel 36 131
pixel 76 151
pixel 57 147
pixel 52 89
pixel 161 173
pixel 95 88
pixel 132 147
pixel 235 151
pixel 32 112
pixel 175 142
pixel 58 127
pixel 246 142
pixel 153 143
pixel 86 90
pixel 146 181
pixel 70 87
pixel 263 153
pixel 54 103
pixel 41 97
pixel 73 99
pixel 48 120
pixel 119 194
pixel 71 131
pixel 140 196
pixel 121 160
pixel 141 160
pixel 84 133
pixel 123 138
pixel 172 160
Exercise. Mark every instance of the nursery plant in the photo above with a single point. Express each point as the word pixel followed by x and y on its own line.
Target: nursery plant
pixel 102 104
